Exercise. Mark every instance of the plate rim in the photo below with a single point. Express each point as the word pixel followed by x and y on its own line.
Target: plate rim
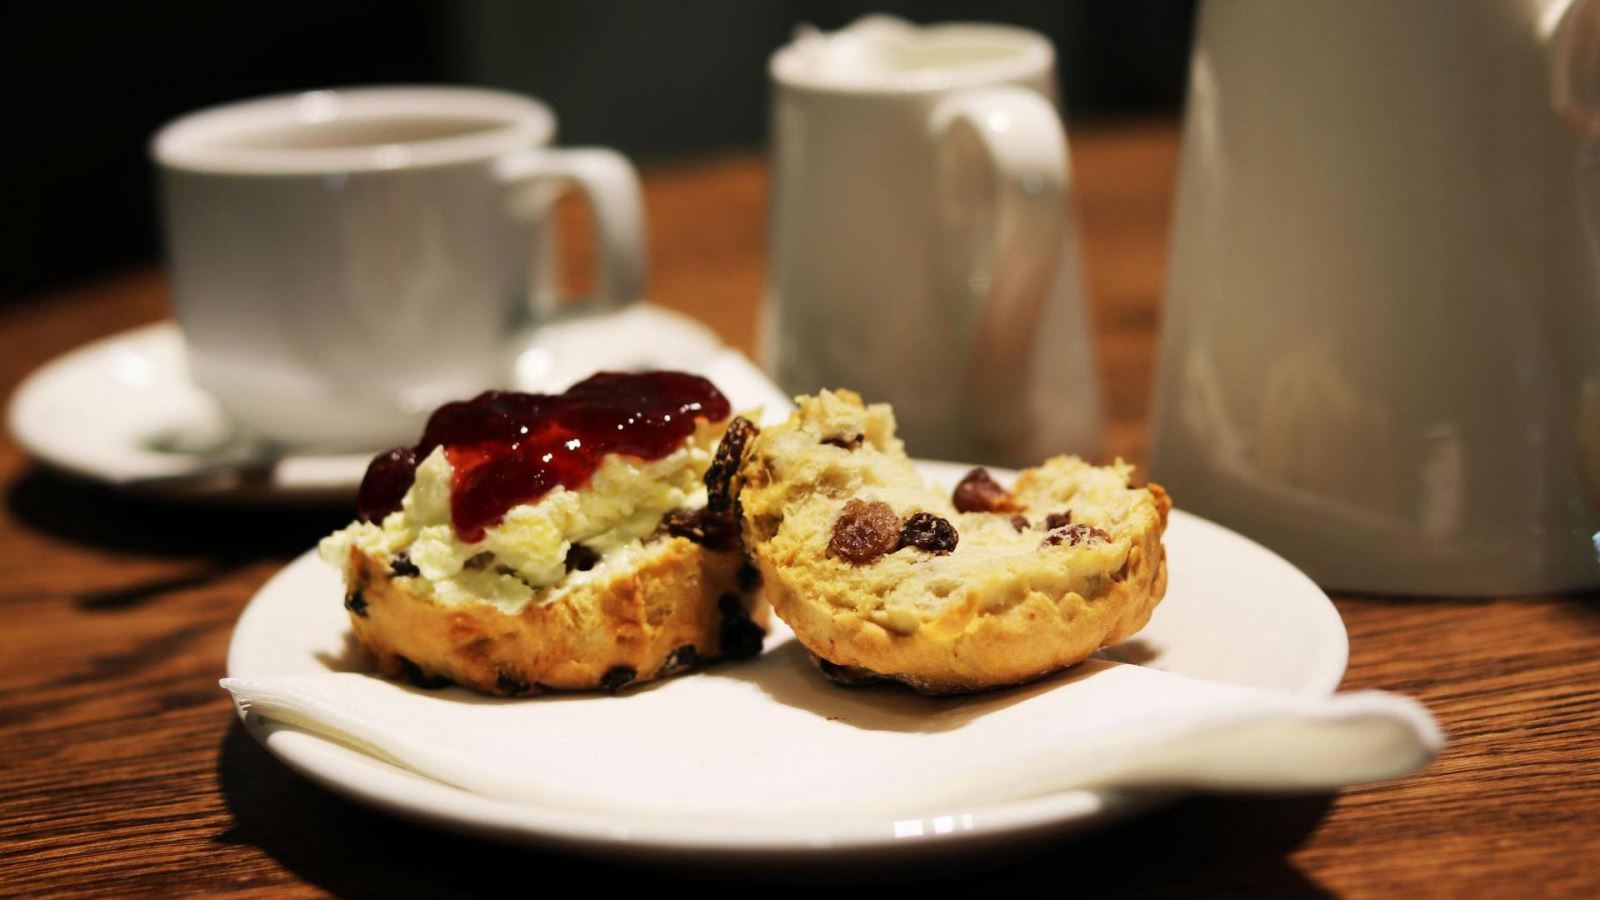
pixel 392 789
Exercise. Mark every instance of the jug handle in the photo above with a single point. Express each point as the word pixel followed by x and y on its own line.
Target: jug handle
pixel 1024 147
pixel 1570 30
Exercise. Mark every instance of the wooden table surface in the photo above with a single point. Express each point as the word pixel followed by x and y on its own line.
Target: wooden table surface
pixel 123 770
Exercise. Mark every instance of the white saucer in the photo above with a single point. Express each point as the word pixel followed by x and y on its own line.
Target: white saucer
pixel 122 410
pixel 1234 612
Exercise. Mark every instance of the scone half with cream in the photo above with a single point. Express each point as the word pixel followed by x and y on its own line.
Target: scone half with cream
pixel 882 576
pixel 575 541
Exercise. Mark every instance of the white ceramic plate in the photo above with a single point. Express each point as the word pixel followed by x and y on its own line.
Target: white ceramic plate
pixel 122 410
pixel 1234 612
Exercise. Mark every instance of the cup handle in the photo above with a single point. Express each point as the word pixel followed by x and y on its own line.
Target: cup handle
pixel 1021 240
pixel 611 186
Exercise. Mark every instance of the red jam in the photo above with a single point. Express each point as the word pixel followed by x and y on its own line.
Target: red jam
pixel 509 448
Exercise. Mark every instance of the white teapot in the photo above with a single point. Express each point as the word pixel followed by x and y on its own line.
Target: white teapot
pixel 1381 344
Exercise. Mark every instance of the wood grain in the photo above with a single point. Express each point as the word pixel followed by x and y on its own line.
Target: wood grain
pixel 122 771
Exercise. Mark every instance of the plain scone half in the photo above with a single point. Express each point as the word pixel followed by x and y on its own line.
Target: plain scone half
pixel 1067 561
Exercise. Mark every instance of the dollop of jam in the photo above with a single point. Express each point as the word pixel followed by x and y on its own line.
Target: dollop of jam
pixel 509 448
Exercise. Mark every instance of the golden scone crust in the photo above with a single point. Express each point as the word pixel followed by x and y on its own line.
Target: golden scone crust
pixel 678 605
pixel 1012 602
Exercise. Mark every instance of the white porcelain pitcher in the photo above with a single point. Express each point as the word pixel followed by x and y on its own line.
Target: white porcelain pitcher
pixel 923 248
pixel 1381 341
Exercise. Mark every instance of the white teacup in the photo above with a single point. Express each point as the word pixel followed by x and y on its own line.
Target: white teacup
pixel 923 250
pixel 344 261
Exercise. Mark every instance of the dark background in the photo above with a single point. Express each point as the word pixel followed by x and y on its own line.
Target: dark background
pixel 88 83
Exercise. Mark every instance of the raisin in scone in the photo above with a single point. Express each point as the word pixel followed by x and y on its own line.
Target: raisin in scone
pixel 575 541
pixel 882 576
